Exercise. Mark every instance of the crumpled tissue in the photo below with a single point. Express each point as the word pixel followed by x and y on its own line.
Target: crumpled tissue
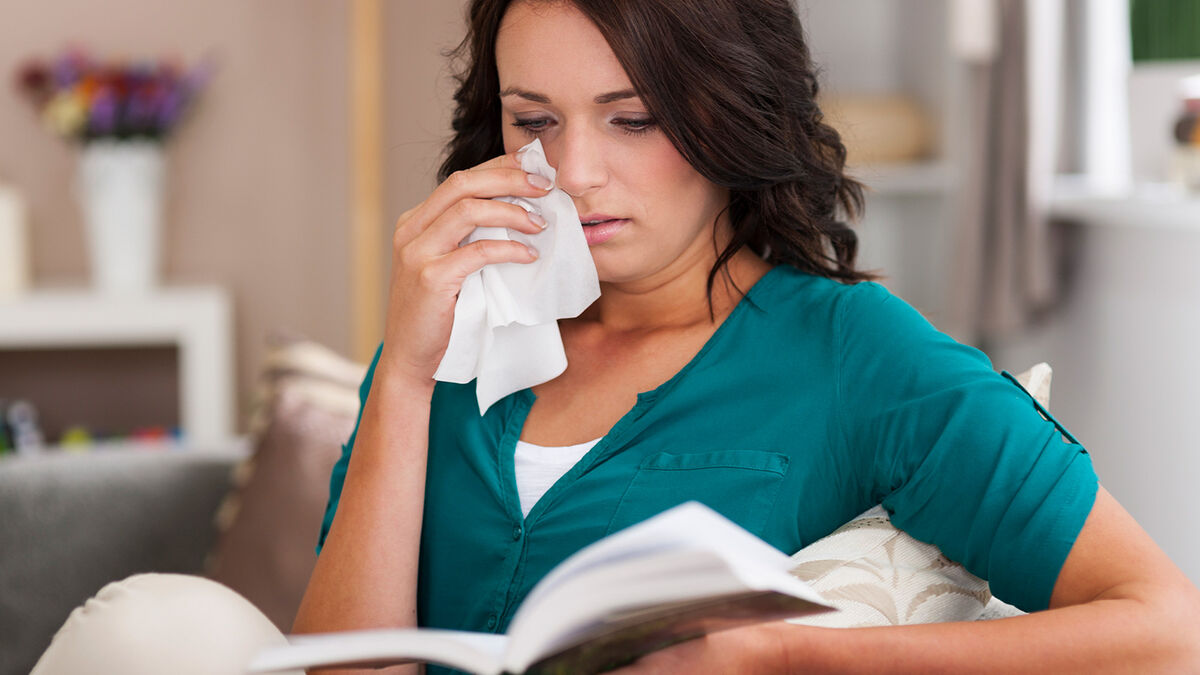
pixel 505 334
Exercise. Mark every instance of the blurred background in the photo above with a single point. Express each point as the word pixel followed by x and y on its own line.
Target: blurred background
pixel 196 202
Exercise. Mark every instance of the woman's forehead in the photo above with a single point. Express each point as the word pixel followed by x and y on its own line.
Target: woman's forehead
pixel 551 48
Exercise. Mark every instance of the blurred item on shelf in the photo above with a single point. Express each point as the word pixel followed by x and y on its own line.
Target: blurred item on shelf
pixel 21 418
pixel 121 112
pixel 77 437
pixel 20 434
pixel 6 444
pixel 1185 161
pixel 879 129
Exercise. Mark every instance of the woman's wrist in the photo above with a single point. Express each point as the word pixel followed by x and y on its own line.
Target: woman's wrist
pixel 794 648
pixel 397 380
pixel 763 648
pixel 772 650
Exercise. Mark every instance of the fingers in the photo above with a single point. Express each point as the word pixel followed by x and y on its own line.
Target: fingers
pixel 428 235
pixel 482 182
pixel 508 161
pixel 444 234
pixel 449 271
pixel 474 256
pixel 429 267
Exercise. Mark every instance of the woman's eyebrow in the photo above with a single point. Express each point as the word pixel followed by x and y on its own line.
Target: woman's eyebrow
pixel 532 96
pixel 616 96
pixel 542 98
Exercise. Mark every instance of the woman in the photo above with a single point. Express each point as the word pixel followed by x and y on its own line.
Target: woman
pixel 731 357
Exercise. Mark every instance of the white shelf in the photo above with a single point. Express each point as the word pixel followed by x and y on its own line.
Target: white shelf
pixel 197 320
pixel 1147 205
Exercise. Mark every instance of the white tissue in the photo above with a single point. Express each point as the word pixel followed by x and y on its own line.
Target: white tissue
pixel 505 334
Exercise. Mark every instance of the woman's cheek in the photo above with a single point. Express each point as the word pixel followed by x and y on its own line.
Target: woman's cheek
pixel 510 142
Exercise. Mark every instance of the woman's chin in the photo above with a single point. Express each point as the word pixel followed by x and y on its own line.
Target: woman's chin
pixel 609 273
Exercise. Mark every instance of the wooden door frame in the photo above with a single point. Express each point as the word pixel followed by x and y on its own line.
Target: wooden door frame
pixel 366 171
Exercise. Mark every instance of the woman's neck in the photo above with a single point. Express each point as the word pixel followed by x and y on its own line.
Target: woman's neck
pixel 677 298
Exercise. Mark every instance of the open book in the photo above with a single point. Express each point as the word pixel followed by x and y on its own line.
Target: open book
pixel 683 573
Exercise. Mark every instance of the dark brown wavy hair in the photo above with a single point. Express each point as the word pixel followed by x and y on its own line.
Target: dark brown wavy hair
pixel 732 84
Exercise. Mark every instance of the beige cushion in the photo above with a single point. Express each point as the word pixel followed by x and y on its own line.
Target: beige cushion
pixel 307 407
pixel 877 575
pixel 149 624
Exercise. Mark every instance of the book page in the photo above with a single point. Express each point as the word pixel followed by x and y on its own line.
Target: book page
pixel 689 525
pixel 685 555
pixel 474 652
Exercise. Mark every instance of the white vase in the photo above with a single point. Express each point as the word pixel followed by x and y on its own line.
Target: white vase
pixel 121 192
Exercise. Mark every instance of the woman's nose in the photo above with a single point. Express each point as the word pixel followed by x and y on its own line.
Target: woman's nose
pixel 579 161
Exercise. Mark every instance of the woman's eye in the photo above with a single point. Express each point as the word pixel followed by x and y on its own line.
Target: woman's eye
pixel 531 126
pixel 635 126
pixel 628 125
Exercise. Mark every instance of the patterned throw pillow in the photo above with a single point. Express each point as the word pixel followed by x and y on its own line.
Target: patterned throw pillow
pixel 877 575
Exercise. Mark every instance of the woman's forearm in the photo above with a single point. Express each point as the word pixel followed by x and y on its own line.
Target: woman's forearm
pixel 366 575
pixel 1117 636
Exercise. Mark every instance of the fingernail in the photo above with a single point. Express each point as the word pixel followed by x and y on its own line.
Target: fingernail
pixel 532 251
pixel 539 181
pixel 537 219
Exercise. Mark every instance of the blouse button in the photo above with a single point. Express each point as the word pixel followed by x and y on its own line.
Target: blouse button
pixel 491 621
pixel 517 532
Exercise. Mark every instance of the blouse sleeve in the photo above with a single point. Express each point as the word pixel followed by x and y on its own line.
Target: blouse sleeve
pixel 962 457
pixel 338 476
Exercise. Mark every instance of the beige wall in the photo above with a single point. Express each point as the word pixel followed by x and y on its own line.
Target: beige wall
pixel 259 176
pixel 417 100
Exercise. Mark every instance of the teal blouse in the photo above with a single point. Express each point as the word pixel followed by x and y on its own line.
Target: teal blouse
pixel 813 401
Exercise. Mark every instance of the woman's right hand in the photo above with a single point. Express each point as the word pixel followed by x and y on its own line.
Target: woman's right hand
pixel 366 575
pixel 429 267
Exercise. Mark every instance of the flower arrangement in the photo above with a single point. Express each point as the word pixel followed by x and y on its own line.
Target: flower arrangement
pixel 82 99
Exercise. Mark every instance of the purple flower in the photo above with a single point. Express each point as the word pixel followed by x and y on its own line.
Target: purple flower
pixel 115 99
pixel 69 68
pixel 139 114
pixel 103 118
pixel 170 108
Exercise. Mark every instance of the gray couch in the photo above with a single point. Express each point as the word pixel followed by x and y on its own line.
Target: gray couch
pixel 70 523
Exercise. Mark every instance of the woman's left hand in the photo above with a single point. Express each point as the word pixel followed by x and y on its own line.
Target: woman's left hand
pixel 754 649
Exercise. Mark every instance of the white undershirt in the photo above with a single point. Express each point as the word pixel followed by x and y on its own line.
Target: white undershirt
pixel 538 467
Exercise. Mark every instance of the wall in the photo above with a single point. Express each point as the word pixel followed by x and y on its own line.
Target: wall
pixel 259 176
pixel 418 94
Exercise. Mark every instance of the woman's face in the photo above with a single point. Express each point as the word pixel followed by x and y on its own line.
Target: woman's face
pixel 560 82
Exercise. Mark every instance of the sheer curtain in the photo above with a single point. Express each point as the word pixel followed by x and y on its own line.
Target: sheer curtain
pixel 1045 86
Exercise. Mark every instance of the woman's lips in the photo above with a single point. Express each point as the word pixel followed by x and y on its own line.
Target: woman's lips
pixel 603 230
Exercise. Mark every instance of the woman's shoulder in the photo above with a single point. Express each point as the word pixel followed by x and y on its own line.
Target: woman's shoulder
pixel 792 291
pixel 863 318
pixel 786 277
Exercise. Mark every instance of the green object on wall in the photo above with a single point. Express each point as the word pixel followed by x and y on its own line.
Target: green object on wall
pixel 1165 30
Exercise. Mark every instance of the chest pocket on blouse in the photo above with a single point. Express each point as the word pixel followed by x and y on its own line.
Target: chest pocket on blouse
pixel 739 484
